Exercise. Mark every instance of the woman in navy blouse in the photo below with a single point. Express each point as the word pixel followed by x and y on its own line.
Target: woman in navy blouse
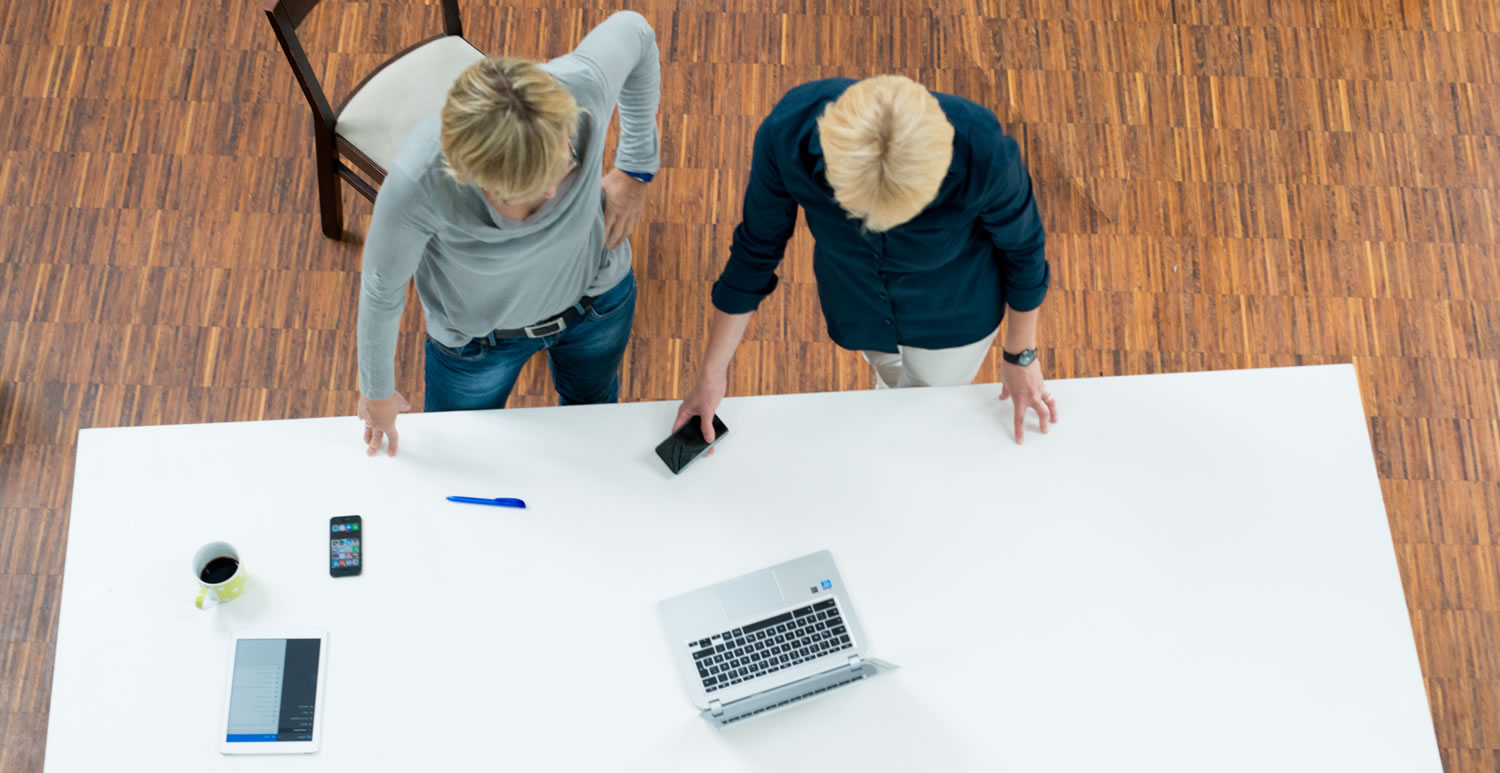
pixel 926 234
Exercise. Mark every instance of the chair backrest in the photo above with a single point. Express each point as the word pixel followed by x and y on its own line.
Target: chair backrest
pixel 285 15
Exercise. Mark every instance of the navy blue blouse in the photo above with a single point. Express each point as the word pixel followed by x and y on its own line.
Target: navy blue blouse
pixel 941 279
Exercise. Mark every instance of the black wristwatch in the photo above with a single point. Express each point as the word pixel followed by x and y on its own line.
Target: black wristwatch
pixel 1026 357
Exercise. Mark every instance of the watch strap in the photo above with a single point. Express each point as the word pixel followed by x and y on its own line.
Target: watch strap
pixel 1023 358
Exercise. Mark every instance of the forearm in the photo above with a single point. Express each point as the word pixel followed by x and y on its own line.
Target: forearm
pixel 392 250
pixel 635 55
pixel 723 339
pixel 638 148
pixel 378 326
pixel 1020 329
pixel 399 231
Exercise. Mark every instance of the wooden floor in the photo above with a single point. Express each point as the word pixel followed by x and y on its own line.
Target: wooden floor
pixel 1226 184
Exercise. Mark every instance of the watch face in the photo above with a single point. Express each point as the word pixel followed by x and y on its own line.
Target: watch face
pixel 1027 357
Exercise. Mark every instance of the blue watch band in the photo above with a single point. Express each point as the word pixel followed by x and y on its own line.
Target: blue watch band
pixel 644 177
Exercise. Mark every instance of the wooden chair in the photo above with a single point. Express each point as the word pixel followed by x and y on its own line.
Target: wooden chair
pixel 376 117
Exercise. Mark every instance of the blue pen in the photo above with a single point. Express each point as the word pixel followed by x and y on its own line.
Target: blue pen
pixel 496 501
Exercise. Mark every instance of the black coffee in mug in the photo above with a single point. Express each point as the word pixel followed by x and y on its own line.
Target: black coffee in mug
pixel 219 570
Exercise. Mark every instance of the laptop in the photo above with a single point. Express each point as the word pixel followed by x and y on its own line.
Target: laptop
pixel 769 639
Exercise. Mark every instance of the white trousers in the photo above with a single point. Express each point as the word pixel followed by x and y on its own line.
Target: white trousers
pixel 914 367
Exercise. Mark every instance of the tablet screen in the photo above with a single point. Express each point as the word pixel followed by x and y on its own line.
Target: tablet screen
pixel 274 689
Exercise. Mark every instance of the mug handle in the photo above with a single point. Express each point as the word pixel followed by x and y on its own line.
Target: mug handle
pixel 210 594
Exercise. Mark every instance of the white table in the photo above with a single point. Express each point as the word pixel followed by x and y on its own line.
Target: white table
pixel 1191 572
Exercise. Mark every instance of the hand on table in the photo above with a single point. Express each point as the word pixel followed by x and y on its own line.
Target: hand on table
pixel 1024 387
pixel 703 402
pixel 624 203
pixel 379 417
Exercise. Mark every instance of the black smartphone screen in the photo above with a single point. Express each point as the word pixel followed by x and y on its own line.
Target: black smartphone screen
pixel 345 539
pixel 687 444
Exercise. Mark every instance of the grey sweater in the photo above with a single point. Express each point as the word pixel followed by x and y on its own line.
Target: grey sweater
pixel 475 269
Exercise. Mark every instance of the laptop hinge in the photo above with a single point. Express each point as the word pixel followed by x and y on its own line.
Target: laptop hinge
pixel 716 708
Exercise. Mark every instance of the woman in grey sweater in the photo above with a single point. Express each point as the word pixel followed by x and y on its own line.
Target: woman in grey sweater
pixel 500 209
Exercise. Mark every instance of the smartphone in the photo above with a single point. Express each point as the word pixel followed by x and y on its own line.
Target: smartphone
pixel 345 538
pixel 687 444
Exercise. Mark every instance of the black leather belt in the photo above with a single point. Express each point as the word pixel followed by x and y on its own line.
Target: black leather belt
pixel 547 327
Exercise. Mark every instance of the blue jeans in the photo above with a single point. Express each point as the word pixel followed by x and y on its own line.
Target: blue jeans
pixel 584 360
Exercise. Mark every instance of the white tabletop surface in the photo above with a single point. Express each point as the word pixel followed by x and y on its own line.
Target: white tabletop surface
pixel 1191 572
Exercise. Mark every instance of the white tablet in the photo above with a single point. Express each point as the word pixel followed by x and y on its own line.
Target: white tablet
pixel 274 701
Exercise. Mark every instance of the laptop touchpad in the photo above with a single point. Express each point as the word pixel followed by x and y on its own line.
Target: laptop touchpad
pixel 750 596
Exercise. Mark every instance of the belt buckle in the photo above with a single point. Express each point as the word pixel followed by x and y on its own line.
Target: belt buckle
pixel 544 329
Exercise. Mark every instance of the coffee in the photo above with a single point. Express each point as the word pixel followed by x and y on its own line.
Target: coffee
pixel 219 570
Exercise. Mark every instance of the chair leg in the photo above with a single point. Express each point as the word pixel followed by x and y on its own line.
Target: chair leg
pixel 330 204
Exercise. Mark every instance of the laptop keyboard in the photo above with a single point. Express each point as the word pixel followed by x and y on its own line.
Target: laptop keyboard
pixel 769 645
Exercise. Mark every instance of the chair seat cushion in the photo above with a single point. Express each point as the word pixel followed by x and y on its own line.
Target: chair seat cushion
pixel 380 115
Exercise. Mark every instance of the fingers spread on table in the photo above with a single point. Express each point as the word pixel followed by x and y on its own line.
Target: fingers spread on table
pixel 1043 415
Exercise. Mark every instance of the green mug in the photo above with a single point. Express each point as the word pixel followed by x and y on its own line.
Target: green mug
pixel 221 575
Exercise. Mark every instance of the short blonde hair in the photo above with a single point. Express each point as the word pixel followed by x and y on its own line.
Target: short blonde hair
pixel 886 149
pixel 506 128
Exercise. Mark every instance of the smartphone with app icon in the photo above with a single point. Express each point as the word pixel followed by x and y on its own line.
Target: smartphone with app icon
pixel 345 538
